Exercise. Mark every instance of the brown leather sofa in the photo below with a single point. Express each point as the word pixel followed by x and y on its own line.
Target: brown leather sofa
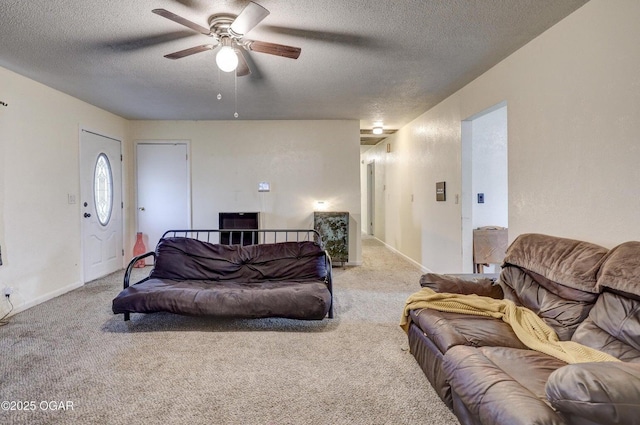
pixel 583 291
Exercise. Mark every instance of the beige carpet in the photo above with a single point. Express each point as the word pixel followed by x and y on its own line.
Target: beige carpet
pixel 168 369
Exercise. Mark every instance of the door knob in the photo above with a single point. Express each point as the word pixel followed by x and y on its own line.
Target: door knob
pixel 87 215
pixel 141 208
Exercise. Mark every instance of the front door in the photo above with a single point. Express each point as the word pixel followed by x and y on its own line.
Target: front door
pixel 101 204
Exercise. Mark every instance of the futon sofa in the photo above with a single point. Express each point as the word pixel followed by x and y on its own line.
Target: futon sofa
pixel 582 291
pixel 195 277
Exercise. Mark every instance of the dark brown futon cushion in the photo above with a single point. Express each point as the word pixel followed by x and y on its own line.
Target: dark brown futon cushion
pixel 191 259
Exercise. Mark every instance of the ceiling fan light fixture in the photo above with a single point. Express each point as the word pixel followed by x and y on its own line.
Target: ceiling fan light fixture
pixel 228 30
pixel 227 59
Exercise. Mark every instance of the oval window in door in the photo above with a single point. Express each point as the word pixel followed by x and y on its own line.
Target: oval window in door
pixel 103 189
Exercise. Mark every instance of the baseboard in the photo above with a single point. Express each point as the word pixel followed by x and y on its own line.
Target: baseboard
pixel 17 308
pixel 411 260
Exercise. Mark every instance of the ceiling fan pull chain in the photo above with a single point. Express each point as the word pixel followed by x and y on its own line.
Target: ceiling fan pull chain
pixel 235 80
pixel 219 96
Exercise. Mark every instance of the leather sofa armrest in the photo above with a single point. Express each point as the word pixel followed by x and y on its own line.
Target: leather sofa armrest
pixel 462 284
pixel 602 393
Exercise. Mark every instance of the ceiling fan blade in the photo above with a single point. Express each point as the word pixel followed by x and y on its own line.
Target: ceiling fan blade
pixel 343 37
pixel 182 21
pixel 243 68
pixel 274 49
pixel 189 51
pixel 250 16
pixel 126 44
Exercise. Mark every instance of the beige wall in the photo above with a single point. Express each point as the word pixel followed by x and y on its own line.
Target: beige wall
pixel 40 232
pixel 573 100
pixel 39 229
pixel 303 161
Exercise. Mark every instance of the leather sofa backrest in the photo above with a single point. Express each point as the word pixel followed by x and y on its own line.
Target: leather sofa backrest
pixel 613 325
pixel 190 259
pixel 568 262
pixel 554 277
pixel 620 270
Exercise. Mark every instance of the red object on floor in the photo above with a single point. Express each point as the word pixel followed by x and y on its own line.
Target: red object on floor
pixel 139 249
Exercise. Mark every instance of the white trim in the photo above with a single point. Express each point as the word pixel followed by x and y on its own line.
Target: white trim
pixel 411 260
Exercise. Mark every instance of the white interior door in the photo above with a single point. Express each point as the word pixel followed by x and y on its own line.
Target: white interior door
pixel 163 189
pixel 371 202
pixel 101 204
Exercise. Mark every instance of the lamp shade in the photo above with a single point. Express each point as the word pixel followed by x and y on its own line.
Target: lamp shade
pixel 227 59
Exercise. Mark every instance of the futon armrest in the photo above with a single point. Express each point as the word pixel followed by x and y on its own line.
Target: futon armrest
pixel 329 279
pixel 603 393
pixel 460 284
pixel 132 263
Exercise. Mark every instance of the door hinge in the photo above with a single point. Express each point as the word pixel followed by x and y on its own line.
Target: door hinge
pixel 123 252
pixel 120 157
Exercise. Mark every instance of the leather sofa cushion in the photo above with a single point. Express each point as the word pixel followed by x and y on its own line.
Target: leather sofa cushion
pixel 502 385
pixel 589 334
pixel 621 270
pixel 613 326
pixel 446 330
pixel 191 259
pixel 561 307
pixel 604 393
pixel 566 261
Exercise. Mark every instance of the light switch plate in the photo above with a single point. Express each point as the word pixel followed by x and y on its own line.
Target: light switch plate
pixel 441 191
pixel 264 187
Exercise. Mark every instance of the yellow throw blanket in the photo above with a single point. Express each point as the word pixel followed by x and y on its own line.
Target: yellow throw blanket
pixel 527 326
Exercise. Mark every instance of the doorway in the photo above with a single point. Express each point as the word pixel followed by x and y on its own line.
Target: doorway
pixel 484 176
pixel 163 189
pixel 101 204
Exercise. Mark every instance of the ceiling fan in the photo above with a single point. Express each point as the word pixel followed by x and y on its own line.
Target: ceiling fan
pixel 228 32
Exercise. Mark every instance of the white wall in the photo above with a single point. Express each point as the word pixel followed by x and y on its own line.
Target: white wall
pixel 303 161
pixel 39 229
pixel 573 98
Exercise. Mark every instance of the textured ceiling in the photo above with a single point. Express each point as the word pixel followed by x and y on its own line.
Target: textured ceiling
pixel 366 60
